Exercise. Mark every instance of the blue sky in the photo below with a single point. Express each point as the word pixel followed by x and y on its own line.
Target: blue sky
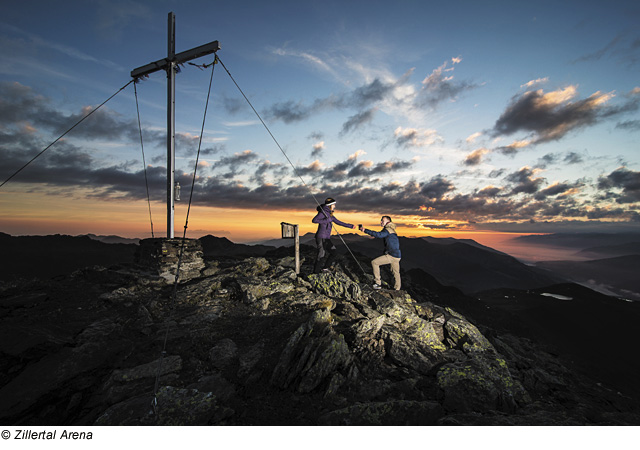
pixel 503 116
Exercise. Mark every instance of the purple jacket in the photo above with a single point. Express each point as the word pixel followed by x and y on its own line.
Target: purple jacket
pixel 324 220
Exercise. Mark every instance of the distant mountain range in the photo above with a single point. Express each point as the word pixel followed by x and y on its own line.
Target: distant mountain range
pixel 615 276
pixel 463 264
pixel 580 241
pixel 213 246
pixel 614 265
pixel 50 256
pixel 113 239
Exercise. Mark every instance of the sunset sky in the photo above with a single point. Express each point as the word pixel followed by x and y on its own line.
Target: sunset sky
pixel 451 117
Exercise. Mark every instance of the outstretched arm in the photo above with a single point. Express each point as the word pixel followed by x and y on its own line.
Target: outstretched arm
pixel 378 234
pixel 347 225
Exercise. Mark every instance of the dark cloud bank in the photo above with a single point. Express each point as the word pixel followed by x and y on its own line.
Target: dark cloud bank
pixel 244 180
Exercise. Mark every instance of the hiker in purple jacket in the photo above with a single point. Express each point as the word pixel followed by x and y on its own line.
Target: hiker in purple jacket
pixel 325 219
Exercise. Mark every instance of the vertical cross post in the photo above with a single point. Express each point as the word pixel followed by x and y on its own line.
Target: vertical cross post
pixel 171 124
pixel 169 64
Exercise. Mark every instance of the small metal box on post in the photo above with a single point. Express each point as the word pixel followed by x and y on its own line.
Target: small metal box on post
pixel 290 231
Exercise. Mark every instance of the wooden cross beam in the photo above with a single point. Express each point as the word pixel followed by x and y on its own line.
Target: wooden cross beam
pixel 169 65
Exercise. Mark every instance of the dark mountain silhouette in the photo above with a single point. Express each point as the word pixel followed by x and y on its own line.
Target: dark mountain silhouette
pixel 213 246
pixel 617 275
pixel 450 241
pixel 629 248
pixel 308 238
pixel 49 256
pixel 112 239
pixel 470 268
pixel 579 240
pixel 593 332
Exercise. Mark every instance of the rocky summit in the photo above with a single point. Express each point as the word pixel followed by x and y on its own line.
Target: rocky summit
pixel 250 342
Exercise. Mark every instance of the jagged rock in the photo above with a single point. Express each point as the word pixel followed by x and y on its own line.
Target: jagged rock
pixel 419 350
pixel 313 352
pixel 223 353
pixel 278 349
pixel 251 267
pixel 199 291
pixel 257 292
pixel 335 285
pixel 400 412
pixel 159 367
pixel 249 359
pixel 97 330
pixel 480 384
pixel 175 407
pixel 50 373
pixel 466 336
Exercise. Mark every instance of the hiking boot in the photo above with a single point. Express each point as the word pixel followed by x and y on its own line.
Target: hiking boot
pixel 377 286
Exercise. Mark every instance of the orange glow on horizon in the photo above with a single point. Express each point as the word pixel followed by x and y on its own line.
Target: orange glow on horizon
pixel 41 214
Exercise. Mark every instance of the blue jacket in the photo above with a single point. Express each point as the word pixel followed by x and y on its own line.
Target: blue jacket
pixel 324 219
pixel 391 241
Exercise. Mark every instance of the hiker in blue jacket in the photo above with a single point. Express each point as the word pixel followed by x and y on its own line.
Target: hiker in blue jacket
pixel 392 253
pixel 325 219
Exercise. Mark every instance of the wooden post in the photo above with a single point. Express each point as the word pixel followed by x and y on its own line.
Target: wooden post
pixel 297 245
pixel 290 231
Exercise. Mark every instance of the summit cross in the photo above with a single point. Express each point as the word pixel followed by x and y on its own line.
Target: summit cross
pixel 170 64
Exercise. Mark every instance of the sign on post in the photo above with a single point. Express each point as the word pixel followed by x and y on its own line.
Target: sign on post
pixel 290 231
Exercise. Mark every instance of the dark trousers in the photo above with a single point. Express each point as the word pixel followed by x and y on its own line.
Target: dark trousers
pixel 327 250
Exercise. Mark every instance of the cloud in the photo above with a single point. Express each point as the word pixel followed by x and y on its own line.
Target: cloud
pixel 514 147
pixel 380 92
pixel 573 158
pixel 622 185
pixel 245 179
pixel 314 61
pixel 368 168
pixel 551 116
pixel 357 120
pixel 318 148
pixel 233 105
pixel 625 48
pixel 489 191
pixel 475 157
pixel 557 189
pixel 19 104
pixel 413 137
pixel 534 82
pixel 369 94
pixel 290 111
pixel 629 125
pixel 440 86
pixel 524 181
pixel 472 138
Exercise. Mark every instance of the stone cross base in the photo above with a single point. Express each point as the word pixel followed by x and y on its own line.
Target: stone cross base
pixel 160 255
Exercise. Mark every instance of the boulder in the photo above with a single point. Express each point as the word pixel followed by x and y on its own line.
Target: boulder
pixel 335 285
pixel 480 384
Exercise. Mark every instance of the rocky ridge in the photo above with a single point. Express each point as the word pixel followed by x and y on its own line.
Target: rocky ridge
pixel 248 342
